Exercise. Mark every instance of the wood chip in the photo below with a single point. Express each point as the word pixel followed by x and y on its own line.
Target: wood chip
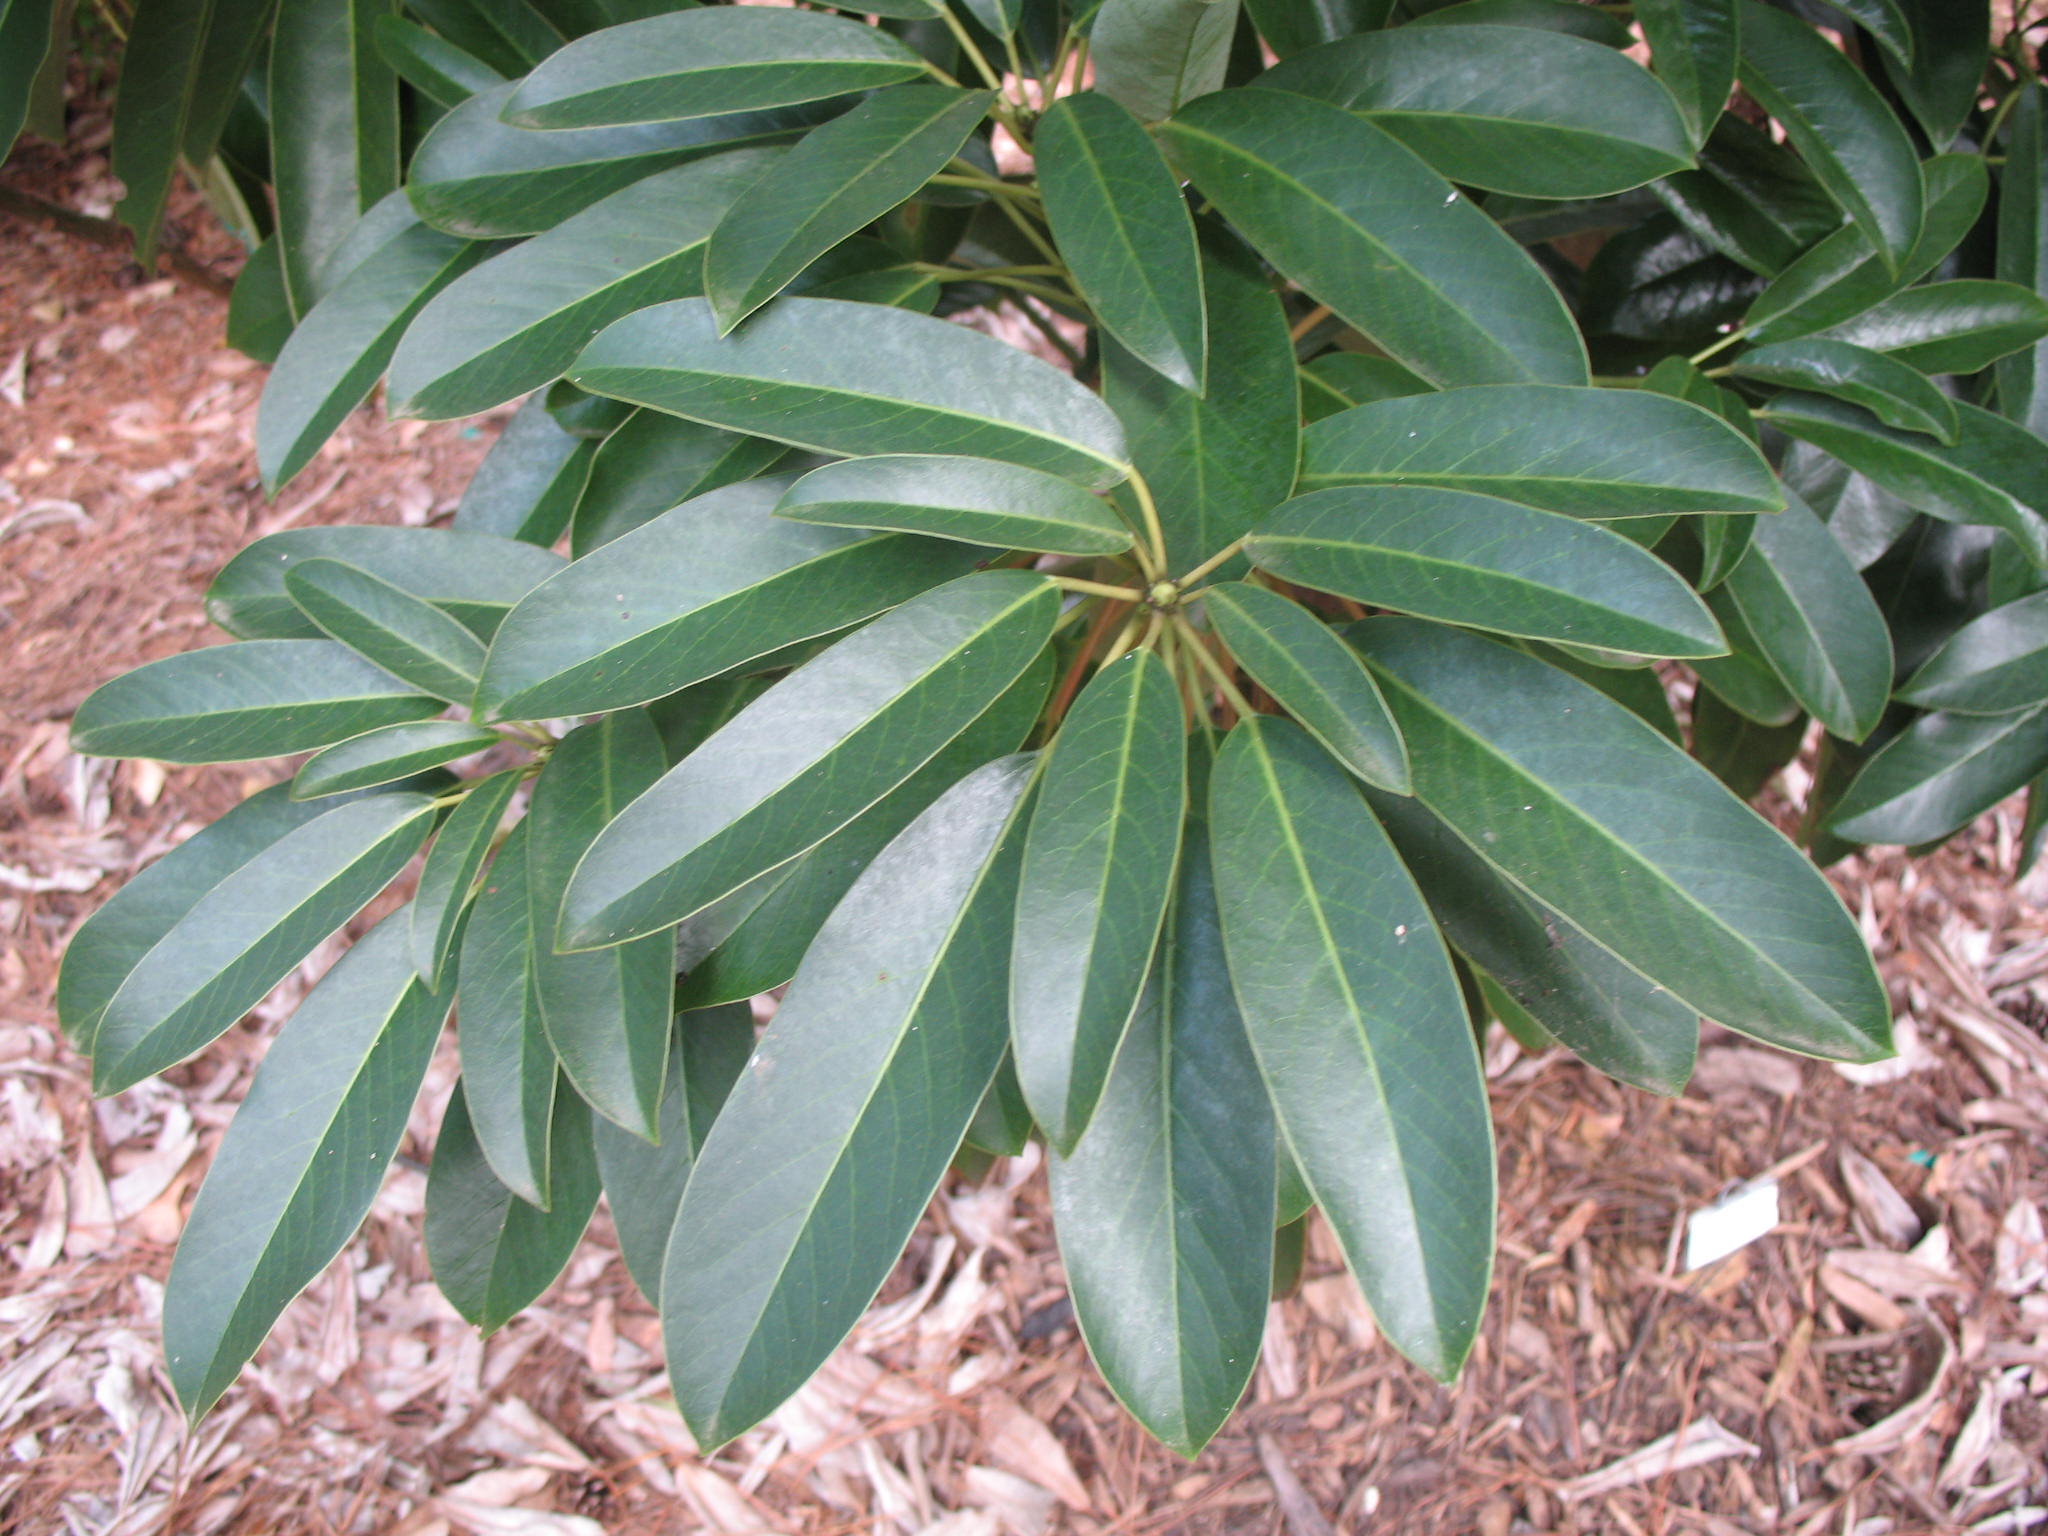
pixel 1296 1507
pixel 1700 1442
pixel 1878 1200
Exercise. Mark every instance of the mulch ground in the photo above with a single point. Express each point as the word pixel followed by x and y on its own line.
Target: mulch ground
pixel 1877 1362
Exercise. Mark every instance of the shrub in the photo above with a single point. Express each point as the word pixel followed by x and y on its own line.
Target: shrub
pixel 1177 754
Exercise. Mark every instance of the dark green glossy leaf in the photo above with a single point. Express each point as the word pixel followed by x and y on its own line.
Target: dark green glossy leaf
pixel 712 584
pixel 699 63
pixel 1360 1034
pixel 1941 774
pixel 1336 381
pixel 857 379
pixel 528 484
pixel 1815 621
pixel 302 1160
pixel 1954 327
pixel 1840 125
pixel 1289 26
pixel 1121 223
pixel 1000 17
pixel 1692 48
pixel 1314 676
pixel 1752 199
pixel 838 1131
pixel 1950 47
pixel 1002 1123
pixel 159 98
pixel 510 35
pixel 260 311
pixel 1152 56
pixel 655 462
pixel 643 1181
pixel 27 34
pixel 1097 875
pixel 1530 113
pixel 234 703
pixel 1165 1212
pixel 387 754
pixel 973 501
pixel 1587 453
pixel 515 323
pixel 430 64
pixel 1661 282
pixel 606 1012
pixel 1354 217
pixel 491 1253
pixel 1493 564
pixel 1639 690
pixel 1884 20
pixel 1901 396
pixel 1217 463
pixel 822 745
pixel 1737 750
pixel 1743 679
pixel 841 178
pixel 1592 812
pixel 475 577
pixel 1864 519
pixel 407 636
pixel 1991 666
pixel 245 935
pixel 451 868
pixel 1567 16
pixel 1580 993
pixel 2022 256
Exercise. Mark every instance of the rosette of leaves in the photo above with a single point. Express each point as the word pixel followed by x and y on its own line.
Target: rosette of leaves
pixel 1173 739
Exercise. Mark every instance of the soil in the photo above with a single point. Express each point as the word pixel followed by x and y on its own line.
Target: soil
pixel 1876 1361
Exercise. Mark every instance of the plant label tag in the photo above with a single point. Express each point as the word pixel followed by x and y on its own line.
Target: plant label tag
pixel 1734 1221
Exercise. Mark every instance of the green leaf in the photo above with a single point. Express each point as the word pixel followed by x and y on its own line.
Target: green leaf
pixel 2022 254
pixel 1660 282
pixel 407 636
pixel 1752 199
pixel 1611 1016
pixel 302 1160
pixel 510 35
pixel 1737 750
pixel 491 1253
pixel 835 1136
pixel 1587 453
pixel 1165 1211
pixel 474 577
pixel 1815 621
pixel 1953 327
pixel 515 323
pixel 528 484
pixel 1216 463
pixel 1336 381
pixel 116 938
pixel 1743 679
pixel 1692 48
pixel 1900 396
pixel 1567 16
pixel 1480 561
pixel 1097 875
pixel 249 930
pixel 1288 26
pixel 1941 774
pixel 999 17
pixel 1864 519
pixel 1530 113
pixel 1002 1124
pixel 841 178
pixel 333 359
pixel 1839 123
pixel 1354 217
pixel 699 63
pixel 334 130
pixel 703 588
pixel 1948 47
pixel 1592 812
pixel 643 1181
pixel 234 703
pixel 1314 676
pixel 973 501
pixel 387 754
pixel 476 175
pixel 1639 690
pixel 1995 474
pixel 606 1012
pixel 1884 20
pixel 1993 665
pixel 821 746
pixel 1360 1035
pixel 508 1067
pixel 1121 223
pixel 1151 56
pixel 449 875
pixel 439 70
pixel 260 311
pixel 27 35
pixel 849 378
pixel 655 462
pixel 153 106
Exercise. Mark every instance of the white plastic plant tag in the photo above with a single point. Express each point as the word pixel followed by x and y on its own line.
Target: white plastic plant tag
pixel 1734 1221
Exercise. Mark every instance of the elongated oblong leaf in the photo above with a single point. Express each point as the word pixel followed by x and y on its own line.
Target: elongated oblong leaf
pixel 838 1130
pixel 702 62
pixel 1491 564
pixel 1587 453
pixel 1595 814
pixel 1529 113
pixel 407 636
pixel 2022 255
pixel 244 935
pixel 1692 48
pixel 1939 775
pixel 389 753
pixel 527 485
pixel 1992 665
pixel 1152 55
pixel 841 377
pixel 231 703
pixel 656 461
pixel 1359 221
pixel 705 587
pixel 152 109
pixel 1098 871
pixel 302 1160
pixel 451 869
pixel 821 746
pixel 975 501
pixel 1360 1034
pixel 1899 395
pixel 1951 327
pixel 1941 70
